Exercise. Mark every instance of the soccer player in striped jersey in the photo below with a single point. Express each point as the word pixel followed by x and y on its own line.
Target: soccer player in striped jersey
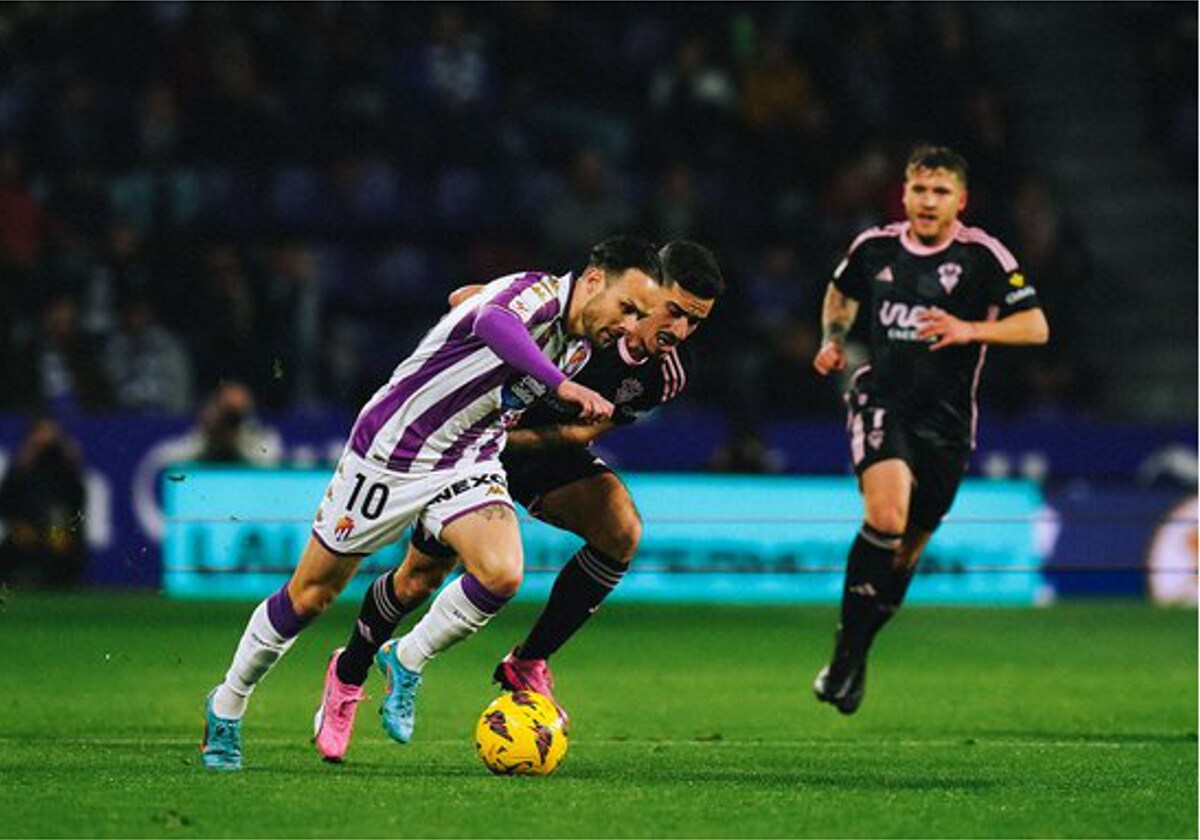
pixel 558 479
pixel 936 293
pixel 425 448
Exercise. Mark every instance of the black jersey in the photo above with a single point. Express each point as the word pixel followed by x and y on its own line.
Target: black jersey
pixel 633 387
pixel 896 281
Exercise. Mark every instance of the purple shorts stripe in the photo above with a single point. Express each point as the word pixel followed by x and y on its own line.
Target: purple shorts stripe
pixel 454 350
pixel 332 550
pixel 479 595
pixel 423 427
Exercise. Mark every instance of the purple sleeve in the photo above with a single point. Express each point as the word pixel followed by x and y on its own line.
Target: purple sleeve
pixel 503 332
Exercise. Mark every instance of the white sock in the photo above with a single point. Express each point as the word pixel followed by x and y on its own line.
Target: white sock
pixel 451 618
pixel 259 649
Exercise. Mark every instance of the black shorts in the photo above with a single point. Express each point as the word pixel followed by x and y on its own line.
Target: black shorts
pixel 533 474
pixel 877 434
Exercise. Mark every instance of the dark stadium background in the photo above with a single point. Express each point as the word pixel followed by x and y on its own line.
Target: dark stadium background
pixel 282 195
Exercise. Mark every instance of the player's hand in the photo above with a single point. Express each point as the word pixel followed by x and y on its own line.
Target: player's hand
pixel 463 293
pixel 831 357
pixel 592 407
pixel 945 328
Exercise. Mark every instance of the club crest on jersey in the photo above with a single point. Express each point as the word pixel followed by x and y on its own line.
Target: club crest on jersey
pixel 875 438
pixel 948 275
pixel 628 391
pixel 344 528
pixel 576 359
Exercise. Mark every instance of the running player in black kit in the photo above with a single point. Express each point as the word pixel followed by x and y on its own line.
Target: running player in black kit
pixel 937 293
pixel 553 473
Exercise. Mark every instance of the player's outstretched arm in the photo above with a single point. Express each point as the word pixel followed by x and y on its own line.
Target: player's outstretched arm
pixel 509 338
pixel 837 316
pixel 561 434
pixel 1026 327
pixel 592 407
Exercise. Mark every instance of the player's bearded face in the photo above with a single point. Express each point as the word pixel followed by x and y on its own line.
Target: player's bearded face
pixel 678 316
pixel 618 306
pixel 933 198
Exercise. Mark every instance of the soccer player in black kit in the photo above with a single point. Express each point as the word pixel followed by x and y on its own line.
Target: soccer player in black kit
pixel 556 477
pixel 937 292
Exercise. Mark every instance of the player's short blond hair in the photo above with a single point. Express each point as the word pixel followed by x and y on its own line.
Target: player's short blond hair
pixel 937 157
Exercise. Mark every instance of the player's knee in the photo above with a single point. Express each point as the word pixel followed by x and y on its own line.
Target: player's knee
pixel 501 580
pixel 888 519
pixel 620 541
pixel 311 599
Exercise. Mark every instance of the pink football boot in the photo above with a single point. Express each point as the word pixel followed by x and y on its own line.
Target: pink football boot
pixel 334 721
pixel 514 674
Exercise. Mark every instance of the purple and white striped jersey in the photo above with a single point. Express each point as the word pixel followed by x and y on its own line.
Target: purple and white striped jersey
pixel 450 402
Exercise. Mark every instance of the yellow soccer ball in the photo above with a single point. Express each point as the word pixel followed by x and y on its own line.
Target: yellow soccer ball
pixel 521 733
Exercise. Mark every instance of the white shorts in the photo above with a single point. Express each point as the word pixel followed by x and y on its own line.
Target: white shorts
pixel 366 508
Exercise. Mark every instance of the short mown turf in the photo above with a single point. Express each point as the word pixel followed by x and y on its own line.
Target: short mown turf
pixel 1077 720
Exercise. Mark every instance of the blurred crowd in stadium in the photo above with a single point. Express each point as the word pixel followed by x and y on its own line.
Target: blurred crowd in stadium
pixel 283 194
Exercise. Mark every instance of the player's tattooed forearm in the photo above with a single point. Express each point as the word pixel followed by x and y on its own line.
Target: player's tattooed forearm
pixel 835 331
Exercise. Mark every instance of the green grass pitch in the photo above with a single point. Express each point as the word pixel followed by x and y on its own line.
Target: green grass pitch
pixel 1073 721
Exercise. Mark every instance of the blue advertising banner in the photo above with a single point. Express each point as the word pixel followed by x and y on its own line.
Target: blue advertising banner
pixel 125 455
pixel 238 532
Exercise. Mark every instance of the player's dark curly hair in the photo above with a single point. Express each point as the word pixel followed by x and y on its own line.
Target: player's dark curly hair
pixel 937 157
pixel 618 254
pixel 693 267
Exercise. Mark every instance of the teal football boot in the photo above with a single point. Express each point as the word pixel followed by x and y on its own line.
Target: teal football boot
pixel 222 747
pixel 398 710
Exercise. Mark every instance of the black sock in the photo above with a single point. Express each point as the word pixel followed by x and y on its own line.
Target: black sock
pixel 583 583
pixel 890 598
pixel 869 573
pixel 381 611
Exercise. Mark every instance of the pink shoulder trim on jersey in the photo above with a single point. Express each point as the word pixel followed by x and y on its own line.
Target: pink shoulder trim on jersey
pixel 674 376
pixel 914 247
pixel 626 358
pixel 979 236
pixel 894 229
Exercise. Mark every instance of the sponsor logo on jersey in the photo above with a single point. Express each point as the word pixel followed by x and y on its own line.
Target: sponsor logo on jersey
pixel 949 275
pixel 1017 295
pixel 520 392
pixel 487 480
pixel 628 391
pixel 885 274
pixel 344 527
pixel 902 320
pixel 1016 279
